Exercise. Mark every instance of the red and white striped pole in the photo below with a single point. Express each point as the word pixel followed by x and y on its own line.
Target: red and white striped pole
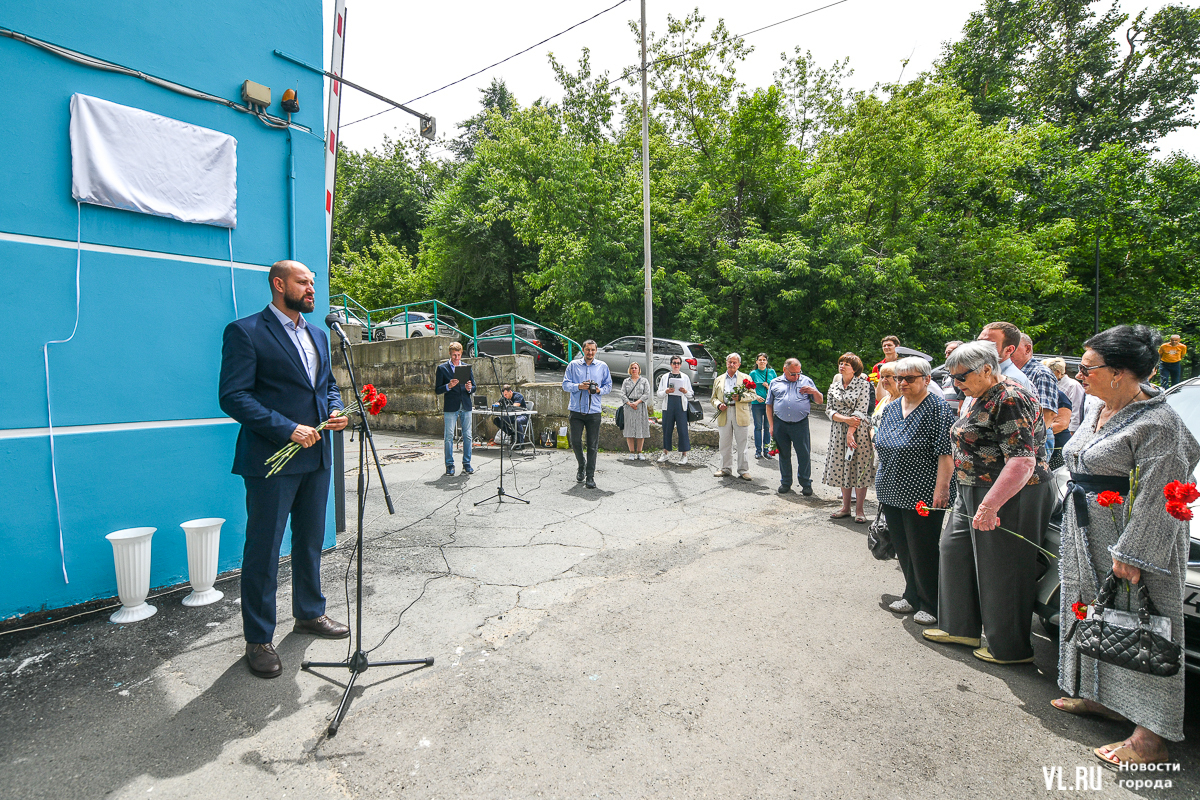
pixel 333 117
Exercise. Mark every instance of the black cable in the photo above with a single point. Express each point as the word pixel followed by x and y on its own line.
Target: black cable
pixel 493 66
pixel 664 59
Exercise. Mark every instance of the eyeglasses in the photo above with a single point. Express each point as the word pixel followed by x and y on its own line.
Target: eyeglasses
pixel 961 377
pixel 674 363
pixel 1085 370
pixel 908 378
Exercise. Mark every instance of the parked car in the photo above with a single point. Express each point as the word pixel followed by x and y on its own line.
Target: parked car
pixel 348 318
pixel 419 324
pixel 698 365
pixel 498 341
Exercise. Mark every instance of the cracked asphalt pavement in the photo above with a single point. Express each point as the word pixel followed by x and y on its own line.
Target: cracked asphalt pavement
pixel 670 634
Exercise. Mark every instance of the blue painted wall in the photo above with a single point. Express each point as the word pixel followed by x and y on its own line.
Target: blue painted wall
pixel 148 346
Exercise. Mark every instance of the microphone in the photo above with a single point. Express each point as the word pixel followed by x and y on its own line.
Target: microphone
pixel 487 355
pixel 331 322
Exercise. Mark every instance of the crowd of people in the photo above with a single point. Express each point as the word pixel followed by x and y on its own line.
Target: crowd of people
pixel 963 475
pixel 964 478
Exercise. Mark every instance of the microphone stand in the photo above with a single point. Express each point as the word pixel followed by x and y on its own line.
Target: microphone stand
pixel 504 407
pixel 359 663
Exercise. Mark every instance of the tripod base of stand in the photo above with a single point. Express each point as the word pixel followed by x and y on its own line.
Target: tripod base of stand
pixel 358 664
pixel 503 497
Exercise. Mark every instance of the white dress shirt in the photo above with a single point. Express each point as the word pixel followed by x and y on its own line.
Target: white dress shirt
pixel 302 338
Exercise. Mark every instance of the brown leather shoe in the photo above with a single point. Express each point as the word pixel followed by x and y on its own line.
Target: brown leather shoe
pixel 322 626
pixel 263 660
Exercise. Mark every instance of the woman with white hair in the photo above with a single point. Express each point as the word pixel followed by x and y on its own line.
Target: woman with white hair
pixel 987 576
pixel 915 465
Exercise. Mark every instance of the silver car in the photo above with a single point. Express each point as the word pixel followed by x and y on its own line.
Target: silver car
pixel 698 365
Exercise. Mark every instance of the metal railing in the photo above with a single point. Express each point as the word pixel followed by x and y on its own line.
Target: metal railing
pixel 440 326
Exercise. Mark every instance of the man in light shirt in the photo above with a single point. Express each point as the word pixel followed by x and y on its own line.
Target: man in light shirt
pixel 587 380
pixel 1007 338
pixel 789 400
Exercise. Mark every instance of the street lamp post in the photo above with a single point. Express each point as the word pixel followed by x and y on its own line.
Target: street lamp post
pixel 649 289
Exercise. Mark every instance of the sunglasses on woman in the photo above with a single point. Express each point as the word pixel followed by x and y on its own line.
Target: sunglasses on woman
pixel 961 377
pixel 909 378
pixel 1085 370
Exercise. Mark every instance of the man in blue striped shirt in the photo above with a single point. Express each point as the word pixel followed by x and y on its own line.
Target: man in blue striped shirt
pixel 587 380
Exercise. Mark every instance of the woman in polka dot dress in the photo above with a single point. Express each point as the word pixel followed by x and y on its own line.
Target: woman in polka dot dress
pixel 849 459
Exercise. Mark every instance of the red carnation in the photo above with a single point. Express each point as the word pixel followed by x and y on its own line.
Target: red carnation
pixel 1179 510
pixel 749 384
pixel 922 508
pixel 1080 610
pixel 377 404
pixel 1109 498
pixel 369 393
pixel 1181 492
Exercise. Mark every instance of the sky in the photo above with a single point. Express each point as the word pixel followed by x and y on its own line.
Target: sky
pixel 404 50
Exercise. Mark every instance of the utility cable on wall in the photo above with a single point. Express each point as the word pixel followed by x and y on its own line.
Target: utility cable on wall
pixel 62 550
pixel 108 66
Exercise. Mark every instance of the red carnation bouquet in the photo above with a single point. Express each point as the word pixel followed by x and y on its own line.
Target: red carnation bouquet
pixel 371 402
pixel 739 391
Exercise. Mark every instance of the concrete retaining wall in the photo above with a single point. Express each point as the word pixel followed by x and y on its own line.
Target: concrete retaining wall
pixel 404 370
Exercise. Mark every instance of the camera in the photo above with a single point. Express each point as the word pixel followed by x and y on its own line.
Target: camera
pixel 592 387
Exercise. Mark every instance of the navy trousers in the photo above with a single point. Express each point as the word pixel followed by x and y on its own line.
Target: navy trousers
pixel 789 436
pixel 269 502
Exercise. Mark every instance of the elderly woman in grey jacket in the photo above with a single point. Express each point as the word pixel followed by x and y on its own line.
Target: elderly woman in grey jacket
pixel 1133 427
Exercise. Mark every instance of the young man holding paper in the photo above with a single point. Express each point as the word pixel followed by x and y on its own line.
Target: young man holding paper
pixel 456 387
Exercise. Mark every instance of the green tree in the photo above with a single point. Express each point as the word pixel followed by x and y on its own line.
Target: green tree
pixel 381 275
pixel 384 193
pixel 1058 61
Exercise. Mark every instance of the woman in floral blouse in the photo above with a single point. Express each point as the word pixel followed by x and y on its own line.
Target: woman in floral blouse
pixel 988 577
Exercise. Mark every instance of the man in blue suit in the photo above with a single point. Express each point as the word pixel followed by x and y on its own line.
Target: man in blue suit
pixel 456 407
pixel 277 382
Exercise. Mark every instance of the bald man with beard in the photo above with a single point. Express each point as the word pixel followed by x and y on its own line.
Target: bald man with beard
pixel 277 381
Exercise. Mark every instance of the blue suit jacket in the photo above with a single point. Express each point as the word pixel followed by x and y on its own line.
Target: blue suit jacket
pixel 265 388
pixel 452 399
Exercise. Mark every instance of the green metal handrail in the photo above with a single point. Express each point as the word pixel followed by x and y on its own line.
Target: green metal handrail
pixel 393 311
pixel 346 300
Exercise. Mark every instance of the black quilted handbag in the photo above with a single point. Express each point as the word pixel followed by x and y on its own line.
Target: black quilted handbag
pixel 1139 641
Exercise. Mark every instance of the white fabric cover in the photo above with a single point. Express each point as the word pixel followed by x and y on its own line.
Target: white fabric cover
pixel 127 158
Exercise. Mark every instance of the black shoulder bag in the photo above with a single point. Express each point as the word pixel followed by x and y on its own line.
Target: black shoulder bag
pixel 879 540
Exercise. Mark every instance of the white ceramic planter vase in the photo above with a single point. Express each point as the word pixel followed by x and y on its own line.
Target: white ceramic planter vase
pixel 203 547
pixel 131 554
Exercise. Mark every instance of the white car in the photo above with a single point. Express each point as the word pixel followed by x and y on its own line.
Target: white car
pixel 419 324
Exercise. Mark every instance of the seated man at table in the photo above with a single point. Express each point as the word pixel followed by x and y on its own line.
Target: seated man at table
pixel 513 426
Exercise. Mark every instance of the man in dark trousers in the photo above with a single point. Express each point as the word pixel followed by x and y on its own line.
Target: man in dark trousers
pixel 277 382
pixel 789 399
pixel 456 407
